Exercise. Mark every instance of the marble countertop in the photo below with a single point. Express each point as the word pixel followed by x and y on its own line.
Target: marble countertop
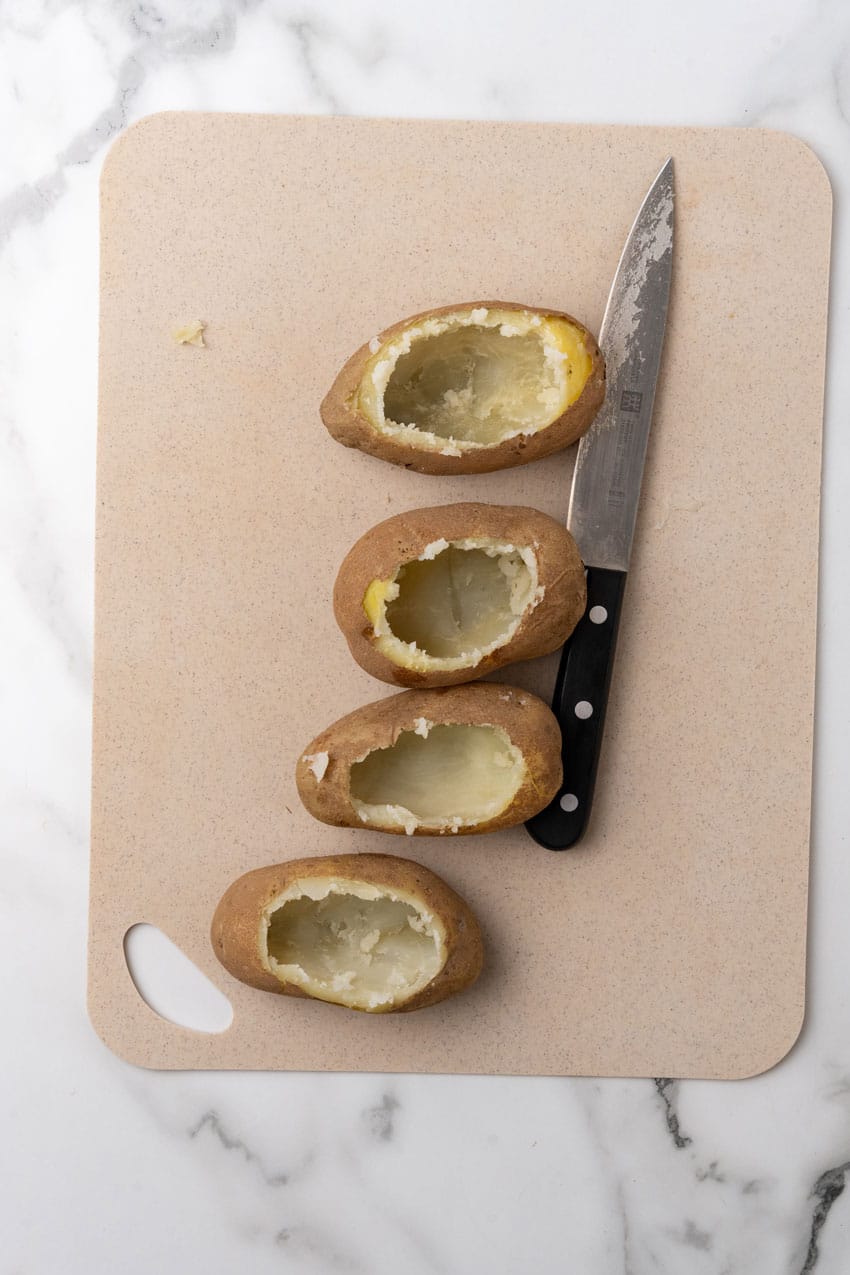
pixel 110 1168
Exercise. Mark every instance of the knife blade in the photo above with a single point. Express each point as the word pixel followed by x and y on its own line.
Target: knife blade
pixel 604 503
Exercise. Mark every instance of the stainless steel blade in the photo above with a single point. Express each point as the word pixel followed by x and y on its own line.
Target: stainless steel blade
pixel 609 465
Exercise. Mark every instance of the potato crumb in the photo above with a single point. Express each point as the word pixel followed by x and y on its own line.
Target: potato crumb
pixel 343 981
pixel 191 334
pixel 430 551
pixel 318 763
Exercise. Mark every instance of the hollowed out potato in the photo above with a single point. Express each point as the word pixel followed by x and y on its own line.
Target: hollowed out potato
pixel 370 932
pixel 467 759
pixel 469 388
pixel 442 595
pixel 466 597
pixel 445 776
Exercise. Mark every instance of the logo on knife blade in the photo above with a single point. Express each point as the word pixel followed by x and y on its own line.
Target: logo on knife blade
pixel 630 401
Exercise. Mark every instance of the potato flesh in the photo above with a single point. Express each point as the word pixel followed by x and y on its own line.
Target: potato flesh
pixel 461 602
pixel 352 943
pixel 443 776
pixel 474 378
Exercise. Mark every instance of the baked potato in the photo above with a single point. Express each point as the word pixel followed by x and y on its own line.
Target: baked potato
pixel 443 595
pixel 366 931
pixel 469 388
pixel 465 759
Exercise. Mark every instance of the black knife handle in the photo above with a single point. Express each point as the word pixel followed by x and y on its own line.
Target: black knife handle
pixel 579 702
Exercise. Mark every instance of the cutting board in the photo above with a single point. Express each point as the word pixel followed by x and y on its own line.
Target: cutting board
pixel 672 941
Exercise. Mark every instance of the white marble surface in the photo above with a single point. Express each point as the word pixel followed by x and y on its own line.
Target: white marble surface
pixel 107 1168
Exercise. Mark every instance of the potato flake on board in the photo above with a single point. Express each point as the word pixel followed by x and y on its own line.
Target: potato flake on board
pixel 191 334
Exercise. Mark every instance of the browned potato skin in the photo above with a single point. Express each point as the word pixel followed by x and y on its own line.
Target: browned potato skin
pixel 529 724
pixel 352 429
pixel 235 925
pixel 378 554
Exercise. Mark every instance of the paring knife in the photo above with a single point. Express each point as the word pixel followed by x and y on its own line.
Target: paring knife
pixel 604 503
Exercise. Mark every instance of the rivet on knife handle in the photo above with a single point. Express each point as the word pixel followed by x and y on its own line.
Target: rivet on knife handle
pixel 579 703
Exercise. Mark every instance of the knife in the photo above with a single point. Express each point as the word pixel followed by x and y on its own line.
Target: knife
pixel 604 503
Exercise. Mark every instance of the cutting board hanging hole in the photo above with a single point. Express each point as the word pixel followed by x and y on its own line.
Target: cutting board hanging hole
pixel 171 984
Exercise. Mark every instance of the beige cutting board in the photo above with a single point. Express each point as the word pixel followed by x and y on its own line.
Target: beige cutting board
pixel 672 942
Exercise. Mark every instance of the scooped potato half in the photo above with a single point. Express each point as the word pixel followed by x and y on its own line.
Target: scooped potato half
pixel 442 595
pixel 465 759
pixel 469 388
pixel 367 931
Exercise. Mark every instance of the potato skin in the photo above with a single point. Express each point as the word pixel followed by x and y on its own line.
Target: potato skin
pixel 235 924
pixel 349 427
pixel 530 725
pixel 378 554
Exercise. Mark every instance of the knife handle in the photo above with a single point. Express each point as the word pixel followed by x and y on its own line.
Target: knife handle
pixel 579 702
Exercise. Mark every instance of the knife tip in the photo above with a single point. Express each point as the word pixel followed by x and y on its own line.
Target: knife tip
pixel 665 178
